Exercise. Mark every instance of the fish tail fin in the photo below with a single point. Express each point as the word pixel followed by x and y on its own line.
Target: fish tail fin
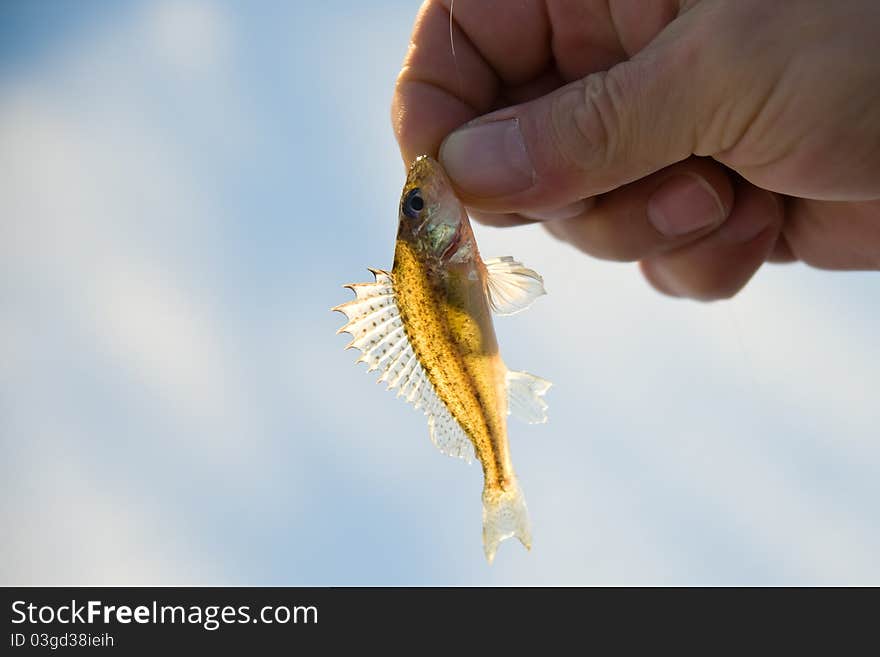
pixel 504 516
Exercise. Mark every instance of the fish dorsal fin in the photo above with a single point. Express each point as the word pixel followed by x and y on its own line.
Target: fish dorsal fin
pixel 511 286
pixel 525 397
pixel 378 332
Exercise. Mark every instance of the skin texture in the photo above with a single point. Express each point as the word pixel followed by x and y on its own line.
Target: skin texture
pixel 440 289
pixel 701 138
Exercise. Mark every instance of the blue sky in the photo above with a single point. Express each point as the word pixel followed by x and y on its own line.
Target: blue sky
pixel 185 187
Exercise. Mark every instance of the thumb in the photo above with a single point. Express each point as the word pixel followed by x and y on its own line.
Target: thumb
pixel 588 137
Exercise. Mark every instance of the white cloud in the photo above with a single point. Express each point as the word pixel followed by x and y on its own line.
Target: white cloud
pixel 107 232
pixel 106 242
pixel 102 225
pixel 69 526
pixel 194 36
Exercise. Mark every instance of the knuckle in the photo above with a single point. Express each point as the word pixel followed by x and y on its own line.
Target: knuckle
pixel 587 120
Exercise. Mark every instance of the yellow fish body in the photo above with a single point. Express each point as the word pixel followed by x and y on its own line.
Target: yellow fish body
pixel 427 327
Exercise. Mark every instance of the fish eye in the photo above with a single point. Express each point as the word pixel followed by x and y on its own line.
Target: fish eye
pixel 413 204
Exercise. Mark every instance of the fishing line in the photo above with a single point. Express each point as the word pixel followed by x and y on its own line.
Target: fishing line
pixel 454 57
pixel 742 346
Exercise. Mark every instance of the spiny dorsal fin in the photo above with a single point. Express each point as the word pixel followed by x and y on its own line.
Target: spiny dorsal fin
pixel 378 332
pixel 525 397
pixel 512 287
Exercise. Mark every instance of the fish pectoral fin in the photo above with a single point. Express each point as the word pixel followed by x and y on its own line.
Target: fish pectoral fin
pixel 376 326
pixel 512 287
pixel 525 397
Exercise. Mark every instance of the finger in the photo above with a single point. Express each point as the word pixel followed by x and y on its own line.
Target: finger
pixel 834 234
pixel 438 89
pixel 594 35
pixel 501 220
pixel 781 252
pixel 541 85
pixel 435 92
pixel 514 41
pixel 673 207
pixel 720 264
pixel 603 131
pixel 585 38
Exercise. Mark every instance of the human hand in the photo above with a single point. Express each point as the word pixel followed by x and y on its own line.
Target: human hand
pixel 699 137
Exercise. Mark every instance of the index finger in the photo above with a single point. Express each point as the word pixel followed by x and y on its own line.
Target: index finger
pixel 446 82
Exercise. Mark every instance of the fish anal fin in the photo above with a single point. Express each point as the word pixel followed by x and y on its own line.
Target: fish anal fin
pixel 525 397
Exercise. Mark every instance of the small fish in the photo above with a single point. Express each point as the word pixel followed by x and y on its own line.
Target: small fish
pixel 426 326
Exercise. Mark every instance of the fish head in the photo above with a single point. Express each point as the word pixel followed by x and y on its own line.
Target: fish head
pixel 432 219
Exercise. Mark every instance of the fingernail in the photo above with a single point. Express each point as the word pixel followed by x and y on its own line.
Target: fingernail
pixel 684 203
pixel 489 159
pixel 565 212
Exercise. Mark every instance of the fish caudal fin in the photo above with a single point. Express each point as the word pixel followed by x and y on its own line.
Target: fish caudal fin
pixel 525 397
pixel 504 516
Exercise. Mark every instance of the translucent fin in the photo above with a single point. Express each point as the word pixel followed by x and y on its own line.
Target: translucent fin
pixel 446 433
pixel 378 332
pixel 512 287
pixel 504 516
pixel 525 397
